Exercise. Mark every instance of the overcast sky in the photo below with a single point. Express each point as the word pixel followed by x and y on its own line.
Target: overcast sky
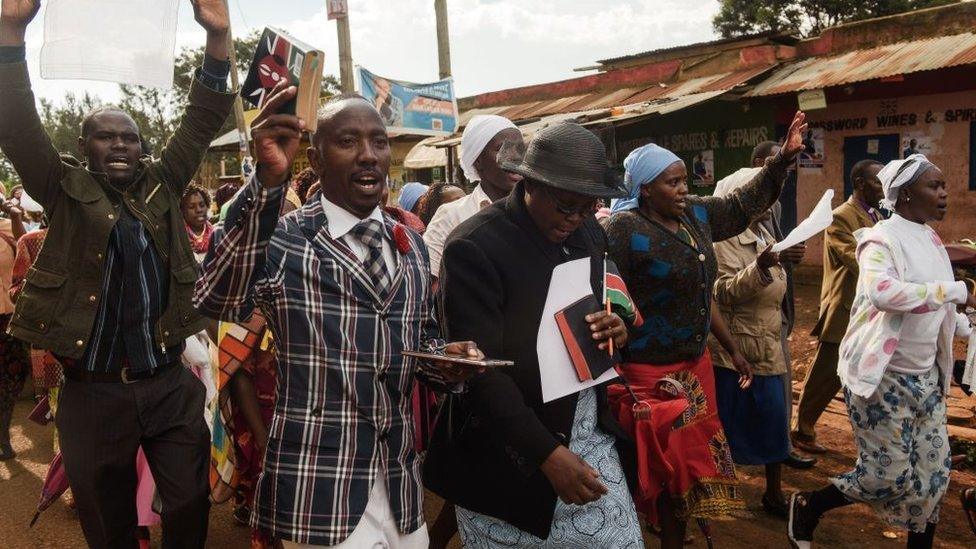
pixel 495 44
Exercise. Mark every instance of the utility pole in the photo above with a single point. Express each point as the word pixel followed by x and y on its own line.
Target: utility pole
pixel 235 80
pixel 443 38
pixel 345 54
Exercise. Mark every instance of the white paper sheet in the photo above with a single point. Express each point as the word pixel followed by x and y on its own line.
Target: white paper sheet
pixel 820 218
pixel 125 41
pixel 570 282
pixel 969 374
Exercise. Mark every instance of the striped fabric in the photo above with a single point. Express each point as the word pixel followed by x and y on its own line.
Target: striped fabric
pixel 343 415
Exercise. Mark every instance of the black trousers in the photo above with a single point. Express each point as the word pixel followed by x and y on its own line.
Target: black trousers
pixel 102 425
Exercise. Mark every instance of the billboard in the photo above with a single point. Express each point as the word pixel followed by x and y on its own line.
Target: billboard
pixel 410 108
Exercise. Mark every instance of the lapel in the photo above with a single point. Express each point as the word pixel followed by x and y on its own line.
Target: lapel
pixel 864 220
pixel 315 226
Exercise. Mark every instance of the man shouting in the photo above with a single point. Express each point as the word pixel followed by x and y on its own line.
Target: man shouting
pixel 110 293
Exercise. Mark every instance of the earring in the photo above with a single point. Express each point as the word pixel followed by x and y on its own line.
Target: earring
pixel 908 199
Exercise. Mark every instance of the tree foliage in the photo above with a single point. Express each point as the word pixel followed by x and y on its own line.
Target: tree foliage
pixel 805 17
pixel 155 111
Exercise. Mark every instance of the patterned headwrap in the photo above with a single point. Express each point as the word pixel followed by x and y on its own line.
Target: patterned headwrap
pixel 642 166
pixel 410 194
pixel 901 173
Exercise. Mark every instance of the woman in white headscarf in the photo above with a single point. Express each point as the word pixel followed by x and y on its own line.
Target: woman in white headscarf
pixel 895 362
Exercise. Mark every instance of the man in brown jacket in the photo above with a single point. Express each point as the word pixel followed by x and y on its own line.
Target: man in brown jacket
pixel 110 292
pixel 836 296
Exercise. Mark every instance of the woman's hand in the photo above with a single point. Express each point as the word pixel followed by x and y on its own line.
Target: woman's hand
pixel 794 137
pixel 573 479
pixel 767 259
pixel 605 325
pixel 457 373
pixel 744 368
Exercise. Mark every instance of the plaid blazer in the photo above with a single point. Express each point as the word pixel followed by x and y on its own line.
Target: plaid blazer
pixel 343 415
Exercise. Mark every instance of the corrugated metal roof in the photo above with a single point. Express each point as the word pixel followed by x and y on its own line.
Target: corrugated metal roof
pixel 423 156
pixel 870 64
pixel 774 36
pixel 627 96
pixel 658 106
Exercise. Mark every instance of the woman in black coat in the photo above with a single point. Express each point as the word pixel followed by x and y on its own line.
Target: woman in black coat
pixel 501 454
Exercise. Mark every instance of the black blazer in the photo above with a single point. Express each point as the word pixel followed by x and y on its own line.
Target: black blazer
pixel 494 281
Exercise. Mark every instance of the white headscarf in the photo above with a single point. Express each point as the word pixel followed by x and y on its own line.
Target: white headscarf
pixel 736 180
pixel 901 173
pixel 479 131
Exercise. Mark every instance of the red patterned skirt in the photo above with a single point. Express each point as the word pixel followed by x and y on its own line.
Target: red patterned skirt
pixel 681 447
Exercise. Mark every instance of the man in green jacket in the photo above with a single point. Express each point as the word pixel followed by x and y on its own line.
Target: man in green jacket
pixel 110 291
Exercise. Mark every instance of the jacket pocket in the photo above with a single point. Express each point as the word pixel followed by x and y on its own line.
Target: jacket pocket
pixel 186 279
pixel 39 300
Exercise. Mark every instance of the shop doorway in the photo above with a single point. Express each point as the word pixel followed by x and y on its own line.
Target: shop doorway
pixel 883 148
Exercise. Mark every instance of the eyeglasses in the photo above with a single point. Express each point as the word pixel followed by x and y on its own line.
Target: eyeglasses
pixel 568 210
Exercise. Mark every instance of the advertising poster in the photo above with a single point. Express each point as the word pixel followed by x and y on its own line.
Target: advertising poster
pixel 813 155
pixel 406 107
pixel 703 169
pixel 917 143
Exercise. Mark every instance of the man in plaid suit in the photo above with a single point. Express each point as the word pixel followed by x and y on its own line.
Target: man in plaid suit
pixel 345 289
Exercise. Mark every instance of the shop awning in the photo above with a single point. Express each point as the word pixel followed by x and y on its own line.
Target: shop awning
pixel 423 156
pixel 861 65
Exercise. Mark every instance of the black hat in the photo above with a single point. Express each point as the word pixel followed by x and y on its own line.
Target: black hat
pixel 570 157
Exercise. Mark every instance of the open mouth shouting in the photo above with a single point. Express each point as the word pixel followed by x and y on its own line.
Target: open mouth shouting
pixel 117 163
pixel 369 181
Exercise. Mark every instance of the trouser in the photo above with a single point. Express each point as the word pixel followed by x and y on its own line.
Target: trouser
pixel 820 387
pixel 101 428
pixel 377 529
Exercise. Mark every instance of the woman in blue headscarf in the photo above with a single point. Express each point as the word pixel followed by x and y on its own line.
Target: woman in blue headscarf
pixel 410 194
pixel 661 241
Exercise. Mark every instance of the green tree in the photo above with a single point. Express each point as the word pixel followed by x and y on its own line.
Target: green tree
pixel 805 17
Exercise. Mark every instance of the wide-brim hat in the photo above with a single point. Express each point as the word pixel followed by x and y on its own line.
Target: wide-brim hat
pixel 567 156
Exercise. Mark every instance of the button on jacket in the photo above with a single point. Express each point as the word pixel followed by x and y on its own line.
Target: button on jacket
pixel 55 310
pixel 343 416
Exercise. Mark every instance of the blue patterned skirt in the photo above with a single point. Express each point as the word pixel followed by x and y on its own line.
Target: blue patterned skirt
pixel 607 523
pixel 903 461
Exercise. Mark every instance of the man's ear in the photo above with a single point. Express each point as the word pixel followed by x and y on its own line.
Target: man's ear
pixel 81 147
pixel 314 160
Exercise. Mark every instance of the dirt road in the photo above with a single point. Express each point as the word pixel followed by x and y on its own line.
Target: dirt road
pixel 854 527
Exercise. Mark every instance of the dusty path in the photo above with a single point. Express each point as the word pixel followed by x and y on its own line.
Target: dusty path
pixel 854 527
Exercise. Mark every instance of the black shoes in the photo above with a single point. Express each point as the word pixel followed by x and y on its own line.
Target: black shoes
pixel 799 461
pixel 802 522
pixel 777 508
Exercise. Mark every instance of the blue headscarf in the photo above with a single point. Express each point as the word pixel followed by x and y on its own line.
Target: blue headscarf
pixel 410 194
pixel 642 166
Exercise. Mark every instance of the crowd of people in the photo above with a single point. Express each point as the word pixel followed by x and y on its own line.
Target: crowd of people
pixel 249 346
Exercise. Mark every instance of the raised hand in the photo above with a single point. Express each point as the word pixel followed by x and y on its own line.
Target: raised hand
pixel 794 137
pixel 212 15
pixel 277 137
pixel 15 15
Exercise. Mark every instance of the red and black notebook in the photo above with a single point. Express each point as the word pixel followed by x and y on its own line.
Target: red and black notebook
pixel 279 56
pixel 588 359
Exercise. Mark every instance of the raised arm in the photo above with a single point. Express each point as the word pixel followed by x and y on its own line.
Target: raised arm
pixel 237 259
pixel 22 137
pixel 730 215
pixel 209 104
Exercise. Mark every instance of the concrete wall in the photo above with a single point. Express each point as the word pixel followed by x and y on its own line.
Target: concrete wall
pixel 944 119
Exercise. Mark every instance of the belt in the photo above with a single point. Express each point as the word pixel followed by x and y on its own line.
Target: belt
pixel 125 375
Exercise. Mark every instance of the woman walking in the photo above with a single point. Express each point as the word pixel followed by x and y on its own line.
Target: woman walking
pixel 895 362
pixel 749 293
pixel 661 240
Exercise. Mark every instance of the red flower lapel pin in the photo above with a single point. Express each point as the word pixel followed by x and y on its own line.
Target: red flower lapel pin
pixel 401 238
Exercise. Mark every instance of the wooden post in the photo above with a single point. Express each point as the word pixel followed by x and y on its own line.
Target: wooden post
pixel 235 81
pixel 346 78
pixel 443 39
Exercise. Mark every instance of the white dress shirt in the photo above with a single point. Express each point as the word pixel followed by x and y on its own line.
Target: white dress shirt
pixel 447 218
pixel 342 221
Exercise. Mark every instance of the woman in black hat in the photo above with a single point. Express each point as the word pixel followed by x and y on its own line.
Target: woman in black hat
pixel 524 473
pixel 661 238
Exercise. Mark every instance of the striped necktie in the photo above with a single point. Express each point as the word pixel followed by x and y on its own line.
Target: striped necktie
pixel 370 232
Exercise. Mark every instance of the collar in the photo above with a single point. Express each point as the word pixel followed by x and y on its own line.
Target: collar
pixel 749 236
pixel 341 221
pixel 515 208
pixel 480 197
